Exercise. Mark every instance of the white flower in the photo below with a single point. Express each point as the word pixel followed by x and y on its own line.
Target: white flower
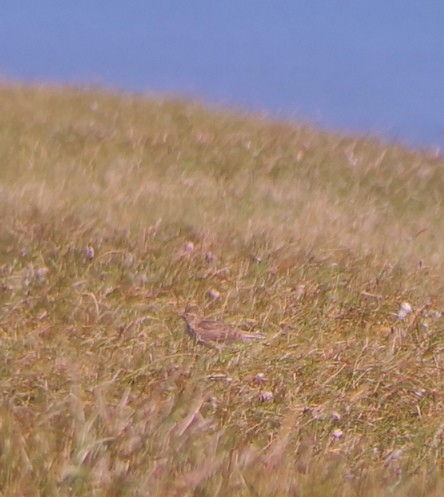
pixel 89 252
pixel 337 434
pixel 213 294
pixel 41 273
pixel 260 378
pixel 265 396
pixel 404 310
pixel 335 416
pixel 189 247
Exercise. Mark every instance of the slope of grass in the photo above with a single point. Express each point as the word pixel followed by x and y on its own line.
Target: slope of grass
pixel 119 212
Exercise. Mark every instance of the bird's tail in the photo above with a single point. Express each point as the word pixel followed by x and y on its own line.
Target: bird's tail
pixel 253 336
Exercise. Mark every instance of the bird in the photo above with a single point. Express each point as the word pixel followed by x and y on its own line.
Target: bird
pixel 208 332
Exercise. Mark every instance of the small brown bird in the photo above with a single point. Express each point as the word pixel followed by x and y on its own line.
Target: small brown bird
pixel 207 332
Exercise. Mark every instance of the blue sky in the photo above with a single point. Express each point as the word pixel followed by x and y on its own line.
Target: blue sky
pixel 352 65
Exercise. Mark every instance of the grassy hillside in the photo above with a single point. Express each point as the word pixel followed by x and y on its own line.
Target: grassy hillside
pixel 119 212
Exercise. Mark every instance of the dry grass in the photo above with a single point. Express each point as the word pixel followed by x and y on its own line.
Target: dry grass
pixel 118 213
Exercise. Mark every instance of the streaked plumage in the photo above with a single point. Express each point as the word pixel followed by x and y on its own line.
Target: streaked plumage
pixel 207 332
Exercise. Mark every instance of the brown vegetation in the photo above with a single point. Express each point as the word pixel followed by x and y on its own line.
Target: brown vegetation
pixel 118 212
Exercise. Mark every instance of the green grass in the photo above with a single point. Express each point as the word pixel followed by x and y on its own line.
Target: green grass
pixel 315 240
